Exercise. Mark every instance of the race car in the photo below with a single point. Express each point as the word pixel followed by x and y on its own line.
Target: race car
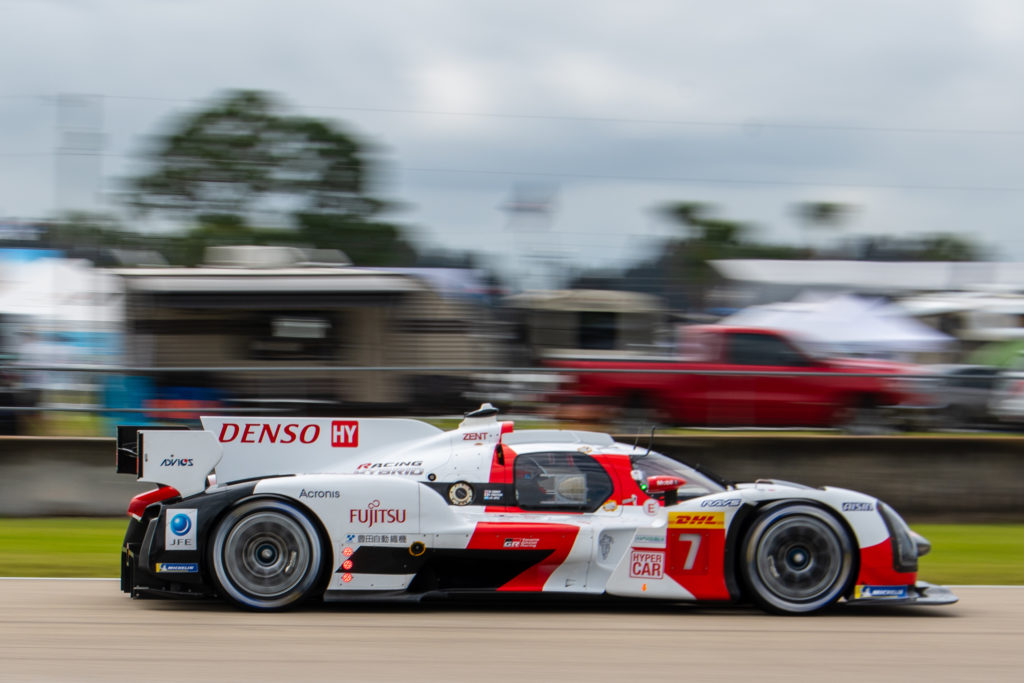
pixel 269 513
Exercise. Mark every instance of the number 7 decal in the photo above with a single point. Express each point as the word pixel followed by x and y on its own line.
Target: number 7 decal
pixel 691 555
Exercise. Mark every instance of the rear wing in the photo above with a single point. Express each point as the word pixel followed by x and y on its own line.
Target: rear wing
pixel 268 446
pixel 168 456
pixel 252 447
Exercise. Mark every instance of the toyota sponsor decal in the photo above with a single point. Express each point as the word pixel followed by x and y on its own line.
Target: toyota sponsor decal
pixel 688 520
pixel 180 530
pixel 255 432
pixel 177 567
pixel 319 493
pixel 646 564
pixel 345 434
pixel 649 539
pixel 403 467
pixel 863 592
pixel 374 514
pixel 721 503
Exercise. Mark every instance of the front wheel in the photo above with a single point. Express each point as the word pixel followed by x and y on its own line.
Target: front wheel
pixel 797 559
pixel 266 555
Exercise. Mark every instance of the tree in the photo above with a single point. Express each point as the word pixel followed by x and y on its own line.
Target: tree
pixel 949 247
pixel 822 215
pixel 243 160
pixel 217 161
pixel 694 215
pixel 684 265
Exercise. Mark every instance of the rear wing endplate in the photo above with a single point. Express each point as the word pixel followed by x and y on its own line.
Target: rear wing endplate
pixel 126 457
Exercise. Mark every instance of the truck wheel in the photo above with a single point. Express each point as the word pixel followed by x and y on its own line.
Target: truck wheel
pixel 797 559
pixel 266 555
pixel 864 416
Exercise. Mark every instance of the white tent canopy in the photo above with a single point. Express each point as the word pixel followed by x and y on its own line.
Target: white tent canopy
pixel 61 291
pixel 846 324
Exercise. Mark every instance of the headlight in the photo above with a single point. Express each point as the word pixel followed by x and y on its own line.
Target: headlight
pixel 904 548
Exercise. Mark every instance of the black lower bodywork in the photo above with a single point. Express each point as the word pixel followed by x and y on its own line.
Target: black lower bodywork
pixel 144 546
pixel 437 570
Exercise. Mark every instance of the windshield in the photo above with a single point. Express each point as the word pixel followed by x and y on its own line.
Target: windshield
pixel 656 464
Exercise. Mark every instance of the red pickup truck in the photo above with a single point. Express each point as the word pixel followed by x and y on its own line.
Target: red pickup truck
pixel 744 376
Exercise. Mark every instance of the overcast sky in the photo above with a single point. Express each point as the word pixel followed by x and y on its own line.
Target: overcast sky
pixel 912 110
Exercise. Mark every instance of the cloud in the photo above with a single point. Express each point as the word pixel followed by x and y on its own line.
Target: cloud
pixel 621 106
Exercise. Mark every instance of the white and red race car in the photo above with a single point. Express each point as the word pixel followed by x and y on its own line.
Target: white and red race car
pixel 267 513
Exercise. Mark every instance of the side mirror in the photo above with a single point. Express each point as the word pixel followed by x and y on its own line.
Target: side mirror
pixel 664 485
pixel 660 483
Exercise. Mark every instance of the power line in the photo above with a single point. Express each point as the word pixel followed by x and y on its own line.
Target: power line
pixel 749 124
pixel 696 180
pixel 723 181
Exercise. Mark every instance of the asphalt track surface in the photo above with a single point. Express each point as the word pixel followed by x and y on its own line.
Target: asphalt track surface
pixel 82 630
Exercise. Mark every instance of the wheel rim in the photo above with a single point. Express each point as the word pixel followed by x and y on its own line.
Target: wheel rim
pixel 799 560
pixel 268 557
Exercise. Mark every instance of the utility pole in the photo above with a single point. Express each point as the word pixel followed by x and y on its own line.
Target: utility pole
pixel 78 169
pixel 529 224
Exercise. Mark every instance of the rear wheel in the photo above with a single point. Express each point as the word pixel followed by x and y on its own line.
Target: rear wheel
pixel 797 559
pixel 266 555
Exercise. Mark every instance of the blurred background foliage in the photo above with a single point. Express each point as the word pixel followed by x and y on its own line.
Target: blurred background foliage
pixel 244 170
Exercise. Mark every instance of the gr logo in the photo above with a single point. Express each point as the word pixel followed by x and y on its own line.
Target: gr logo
pixel 180 532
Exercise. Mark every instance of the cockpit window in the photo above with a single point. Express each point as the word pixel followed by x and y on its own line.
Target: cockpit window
pixel 560 481
pixel 656 464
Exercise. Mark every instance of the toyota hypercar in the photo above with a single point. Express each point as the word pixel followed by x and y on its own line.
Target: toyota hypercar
pixel 267 513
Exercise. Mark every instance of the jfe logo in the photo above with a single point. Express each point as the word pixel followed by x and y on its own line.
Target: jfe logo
pixel 344 434
pixel 181 530
pixel 180 524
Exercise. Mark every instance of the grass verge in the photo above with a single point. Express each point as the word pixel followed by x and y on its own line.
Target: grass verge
pixel 58 546
pixel 973 553
pixel 90 547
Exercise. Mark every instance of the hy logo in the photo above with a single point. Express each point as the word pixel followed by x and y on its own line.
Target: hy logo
pixel 180 524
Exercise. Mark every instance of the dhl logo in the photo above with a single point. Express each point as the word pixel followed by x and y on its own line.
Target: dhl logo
pixel 696 520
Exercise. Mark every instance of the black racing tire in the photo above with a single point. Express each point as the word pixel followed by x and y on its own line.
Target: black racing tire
pixel 266 554
pixel 797 559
